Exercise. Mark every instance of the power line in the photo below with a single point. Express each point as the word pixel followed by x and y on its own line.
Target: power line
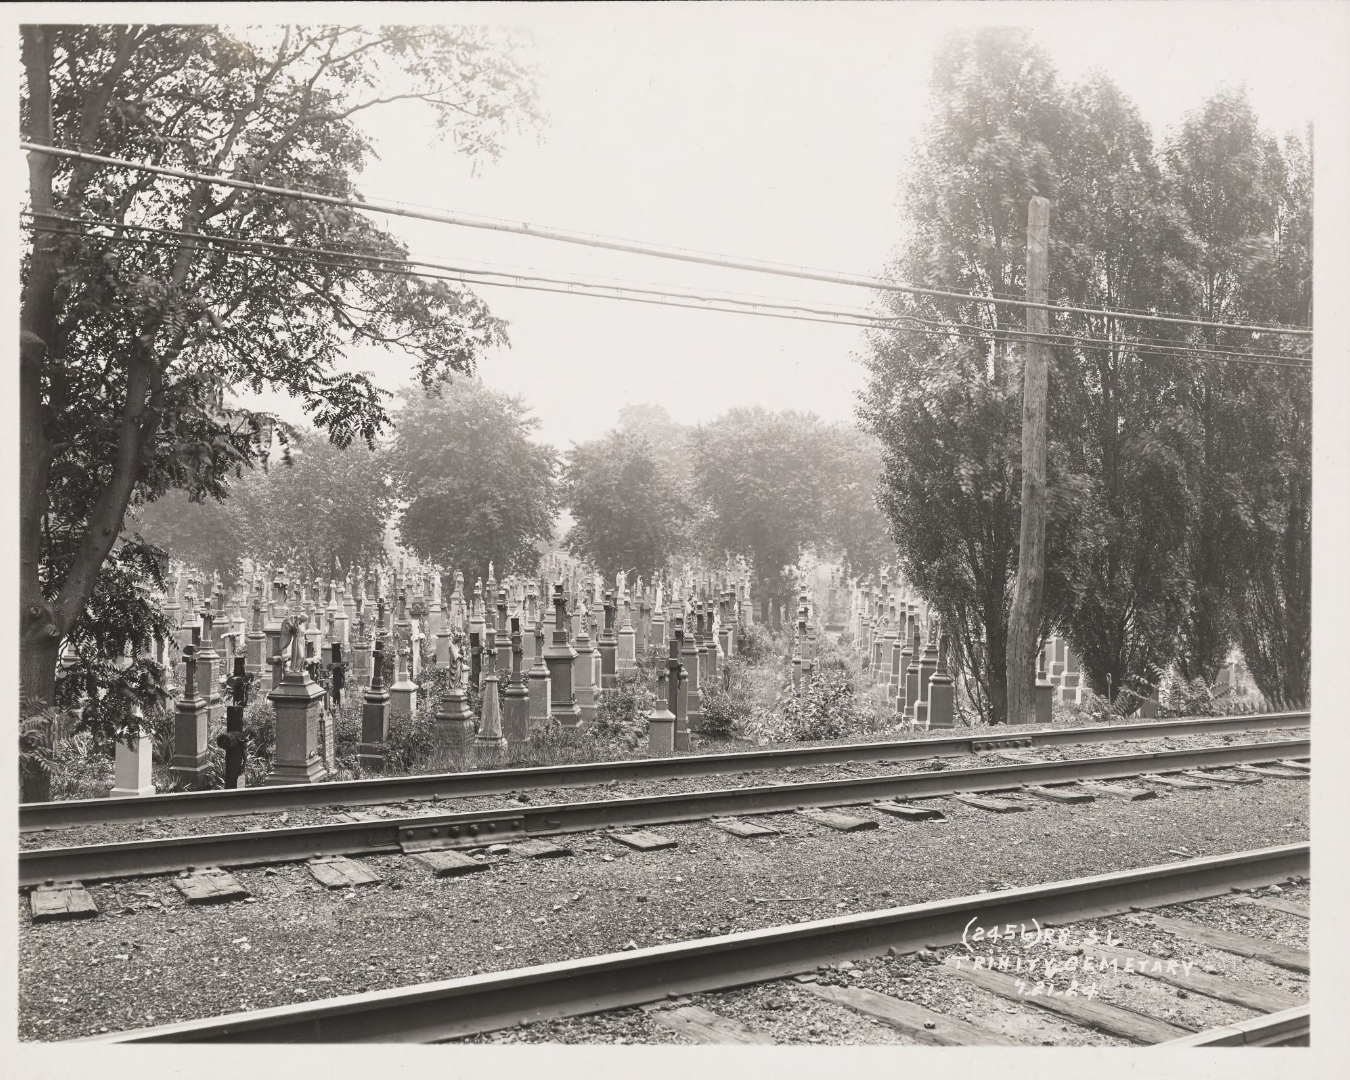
pixel 289 254
pixel 632 246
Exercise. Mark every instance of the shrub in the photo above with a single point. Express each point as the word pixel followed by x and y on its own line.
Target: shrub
pixel 825 708
pixel 729 701
pixel 757 643
pixel 621 717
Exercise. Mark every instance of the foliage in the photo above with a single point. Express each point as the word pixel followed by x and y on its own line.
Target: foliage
pixel 1119 243
pixel 319 511
pixel 621 716
pixel 130 344
pixel 756 643
pixel 629 512
pixel 108 671
pixel 668 438
pixel 476 485
pixel 947 410
pixel 825 708
pixel 772 486
pixel 746 700
pixel 1170 521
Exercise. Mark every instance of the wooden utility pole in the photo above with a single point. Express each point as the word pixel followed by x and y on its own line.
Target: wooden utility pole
pixel 1025 619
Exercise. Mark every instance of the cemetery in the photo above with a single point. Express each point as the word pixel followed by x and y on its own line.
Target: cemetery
pixel 669 531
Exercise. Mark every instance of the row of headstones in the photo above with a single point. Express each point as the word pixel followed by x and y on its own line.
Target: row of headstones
pixel 888 632
pixel 889 635
pixel 303 707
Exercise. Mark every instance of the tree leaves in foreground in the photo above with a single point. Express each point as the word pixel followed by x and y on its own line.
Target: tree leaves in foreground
pixel 131 342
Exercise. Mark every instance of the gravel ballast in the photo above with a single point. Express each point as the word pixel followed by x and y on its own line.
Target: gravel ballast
pixel 150 959
pixel 790 1014
pixel 124 832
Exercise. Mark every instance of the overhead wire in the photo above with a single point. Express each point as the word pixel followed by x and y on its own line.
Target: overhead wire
pixel 634 246
pixel 291 254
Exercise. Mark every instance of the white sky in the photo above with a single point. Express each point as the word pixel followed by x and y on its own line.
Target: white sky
pixel 768 131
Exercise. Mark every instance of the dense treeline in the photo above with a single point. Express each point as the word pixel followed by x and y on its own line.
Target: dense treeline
pixel 1179 502
pixel 465 481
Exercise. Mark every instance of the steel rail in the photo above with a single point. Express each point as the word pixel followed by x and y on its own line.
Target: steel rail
pixel 452 1008
pixel 474 828
pixel 65 813
pixel 1288 1027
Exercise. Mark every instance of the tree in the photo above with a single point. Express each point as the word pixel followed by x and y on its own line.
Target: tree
pixel 1272 594
pixel 1224 174
pixel 319 511
pixel 1120 431
pixel 629 510
pixel 756 479
pixel 854 531
pixel 669 438
pixel 477 487
pixel 129 341
pixel 947 408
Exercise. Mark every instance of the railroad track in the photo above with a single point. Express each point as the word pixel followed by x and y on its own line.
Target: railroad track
pixel 35 817
pixel 456 1008
pixel 477 828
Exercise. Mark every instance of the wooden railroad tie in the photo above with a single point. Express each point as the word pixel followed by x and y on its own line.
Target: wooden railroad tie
pixel 908 812
pixel 833 819
pixel 1270 952
pixel 1278 774
pixel 1112 1019
pixel 1260 999
pixel 922 1025
pixel 209 885
pixel 737 827
pixel 1121 791
pixel 1211 777
pixel 60 900
pixel 1060 795
pixel 449 863
pixel 642 840
pixel 1177 782
pixel 339 872
pixel 994 806
pixel 701 1026
pixel 1276 903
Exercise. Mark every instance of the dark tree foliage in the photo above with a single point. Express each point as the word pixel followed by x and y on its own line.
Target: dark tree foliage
pixel 477 488
pixel 948 410
pixel 1178 488
pixel 130 343
pixel 1248 209
pixel 1121 430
